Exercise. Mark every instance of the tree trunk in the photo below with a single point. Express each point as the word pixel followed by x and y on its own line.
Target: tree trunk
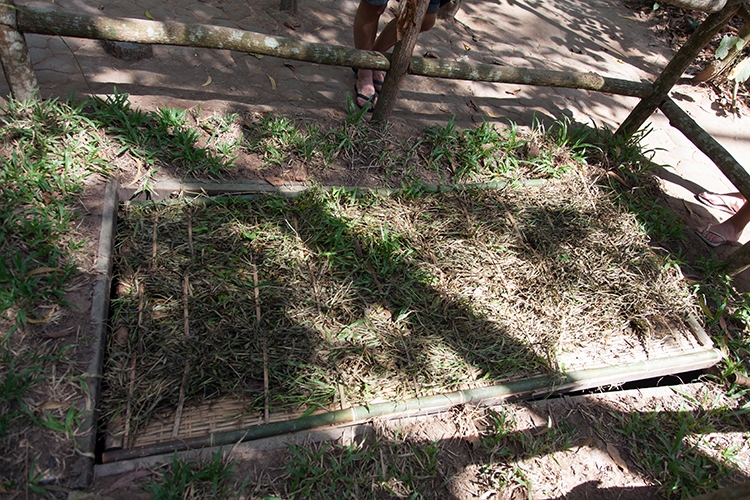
pixel 718 69
pixel 677 66
pixel 408 27
pixel 14 55
pixel 289 5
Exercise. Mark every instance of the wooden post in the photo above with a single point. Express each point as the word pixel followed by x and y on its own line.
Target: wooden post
pixel 408 26
pixel 14 55
pixel 677 67
pixel 738 261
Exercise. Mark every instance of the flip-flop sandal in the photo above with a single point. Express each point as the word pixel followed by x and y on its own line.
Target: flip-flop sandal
pixel 701 197
pixel 375 83
pixel 713 244
pixel 370 100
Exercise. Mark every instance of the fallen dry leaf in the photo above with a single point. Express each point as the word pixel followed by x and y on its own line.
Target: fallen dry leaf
pixel 317 28
pixel 430 55
pixel 467 46
pixel 207 82
pixel 704 307
pixel 722 322
pixel 290 25
pixel 687 207
pixel 273 82
pixel 617 178
pixel 54 405
pixel 513 92
pixel 43 270
pixel 148 15
pixel 290 66
pixel 275 181
pixel 44 319
pixel 258 56
pixel 615 454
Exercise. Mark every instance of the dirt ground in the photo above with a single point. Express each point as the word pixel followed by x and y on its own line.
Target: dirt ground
pixel 562 448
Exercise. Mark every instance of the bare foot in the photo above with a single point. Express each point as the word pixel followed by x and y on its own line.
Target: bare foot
pixel 719 234
pixel 365 89
pixel 729 202
pixel 377 79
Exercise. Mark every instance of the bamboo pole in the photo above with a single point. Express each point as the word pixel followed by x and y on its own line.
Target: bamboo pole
pixel 14 55
pixel 677 67
pixel 408 27
pixel 542 385
pixel 718 68
pixel 730 167
pixel 32 20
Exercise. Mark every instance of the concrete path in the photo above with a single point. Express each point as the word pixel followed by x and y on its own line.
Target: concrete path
pixel 600 35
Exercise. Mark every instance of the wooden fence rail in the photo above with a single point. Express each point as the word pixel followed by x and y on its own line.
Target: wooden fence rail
pixel 44 22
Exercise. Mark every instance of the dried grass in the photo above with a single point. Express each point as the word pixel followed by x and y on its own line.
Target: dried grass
pixel 367 298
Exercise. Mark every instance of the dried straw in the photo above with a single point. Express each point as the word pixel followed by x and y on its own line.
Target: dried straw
pixel 368 298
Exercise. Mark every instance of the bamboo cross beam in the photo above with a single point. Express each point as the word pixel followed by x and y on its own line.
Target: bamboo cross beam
pixel 728 165
pixel 39 21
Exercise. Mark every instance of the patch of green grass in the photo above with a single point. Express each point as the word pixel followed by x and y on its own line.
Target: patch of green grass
pixel 196 479
pixel 164 136
pixel 52 148
pixel 661 442
pixel 466 153
pixel 18 376
pixel 489 152
pixel 374 468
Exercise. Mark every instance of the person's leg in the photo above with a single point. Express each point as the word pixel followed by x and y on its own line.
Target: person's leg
pixel 730 230
pixel 365 31
pixel 387 40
